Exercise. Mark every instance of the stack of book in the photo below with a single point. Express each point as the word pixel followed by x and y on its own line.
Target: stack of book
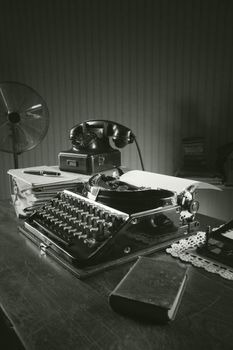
pixel 29 191
pixel 151 291
pixel 195 165
pixel 194 154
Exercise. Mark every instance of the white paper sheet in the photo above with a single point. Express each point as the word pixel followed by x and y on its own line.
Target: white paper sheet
pixel 153 180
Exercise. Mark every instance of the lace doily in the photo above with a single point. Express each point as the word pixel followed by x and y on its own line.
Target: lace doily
pixel 185 249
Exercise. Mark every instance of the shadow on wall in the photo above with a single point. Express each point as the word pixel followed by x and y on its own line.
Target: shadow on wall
pixel 192 120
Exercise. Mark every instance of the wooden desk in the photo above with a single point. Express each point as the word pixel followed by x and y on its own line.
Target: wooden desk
pixel 52 309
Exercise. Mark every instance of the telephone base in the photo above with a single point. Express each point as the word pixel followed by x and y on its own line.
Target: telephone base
pixel 89 163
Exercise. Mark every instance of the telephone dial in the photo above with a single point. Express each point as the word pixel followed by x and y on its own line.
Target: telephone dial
pixel 91 151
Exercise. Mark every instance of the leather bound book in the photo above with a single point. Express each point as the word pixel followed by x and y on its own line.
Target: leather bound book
pixel 150 291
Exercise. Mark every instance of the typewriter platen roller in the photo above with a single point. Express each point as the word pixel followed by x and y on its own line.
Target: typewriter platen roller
pixel 88 232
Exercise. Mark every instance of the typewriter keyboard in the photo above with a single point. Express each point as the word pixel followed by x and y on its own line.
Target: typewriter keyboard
pixel 86 232
pixel 70 217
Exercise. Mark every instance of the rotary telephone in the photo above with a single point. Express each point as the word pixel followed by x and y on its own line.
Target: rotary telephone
pixel 91 151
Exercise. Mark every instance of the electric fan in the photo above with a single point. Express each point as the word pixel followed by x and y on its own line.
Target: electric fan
pixel 24 118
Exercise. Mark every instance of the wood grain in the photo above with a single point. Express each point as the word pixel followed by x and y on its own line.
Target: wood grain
pixel 51 309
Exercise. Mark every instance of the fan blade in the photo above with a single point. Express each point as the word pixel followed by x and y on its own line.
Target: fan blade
pixel 34 108
pixel 11 95
pixel 4 100
pixel 34 132
pixel 35 126
pixel 28 137
pixel 29 113
pixel 29 102
pixel 36 122
pixel 34 116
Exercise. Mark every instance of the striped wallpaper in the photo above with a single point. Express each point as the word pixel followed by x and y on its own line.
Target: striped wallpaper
pixel 160 67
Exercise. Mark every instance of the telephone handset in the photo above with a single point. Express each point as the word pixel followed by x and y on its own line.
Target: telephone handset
pixel 94 135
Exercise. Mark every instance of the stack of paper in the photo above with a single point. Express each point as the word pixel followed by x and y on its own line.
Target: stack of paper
pixel 30 191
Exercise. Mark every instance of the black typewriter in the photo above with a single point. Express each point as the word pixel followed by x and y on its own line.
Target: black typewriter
pixel 109 220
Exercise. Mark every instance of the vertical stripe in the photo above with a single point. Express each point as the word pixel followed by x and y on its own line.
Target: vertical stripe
pixel 161 67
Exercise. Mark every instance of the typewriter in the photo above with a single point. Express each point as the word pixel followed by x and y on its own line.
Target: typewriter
pixel 108 219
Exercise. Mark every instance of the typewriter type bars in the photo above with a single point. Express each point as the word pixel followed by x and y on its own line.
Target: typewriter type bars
pixel 75 225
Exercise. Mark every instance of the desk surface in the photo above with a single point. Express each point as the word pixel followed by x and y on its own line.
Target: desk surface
pixel 52 309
